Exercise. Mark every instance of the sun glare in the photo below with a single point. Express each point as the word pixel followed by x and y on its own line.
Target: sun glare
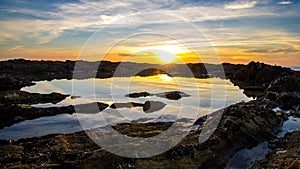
pixel 166 57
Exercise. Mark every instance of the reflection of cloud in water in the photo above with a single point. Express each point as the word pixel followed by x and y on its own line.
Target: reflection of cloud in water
pixel 44 87
pixel 63 123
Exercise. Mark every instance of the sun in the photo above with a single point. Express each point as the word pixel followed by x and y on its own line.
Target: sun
pixel 166 57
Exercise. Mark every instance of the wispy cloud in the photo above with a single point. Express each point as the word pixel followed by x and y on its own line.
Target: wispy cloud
pixel 285 3
pixel 91 15
pixel 15 48
pixel 241 4
pixel 273 51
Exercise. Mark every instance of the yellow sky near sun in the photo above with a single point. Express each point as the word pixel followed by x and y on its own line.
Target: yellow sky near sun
pixel 155 55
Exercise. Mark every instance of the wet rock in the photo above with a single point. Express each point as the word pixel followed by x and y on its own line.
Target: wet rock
pixel 137 95
pixel 21 97
pixel 153 106
pixel 126 105
pixel 172 95
pixel 90 108
pixel 148 106
pixel 75 97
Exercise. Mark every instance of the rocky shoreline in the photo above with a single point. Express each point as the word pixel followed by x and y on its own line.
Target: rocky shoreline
pixel 242 125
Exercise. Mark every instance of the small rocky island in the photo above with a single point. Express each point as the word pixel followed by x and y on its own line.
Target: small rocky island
pixel 242 126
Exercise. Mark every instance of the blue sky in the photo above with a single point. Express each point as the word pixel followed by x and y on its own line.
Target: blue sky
pixel 239 31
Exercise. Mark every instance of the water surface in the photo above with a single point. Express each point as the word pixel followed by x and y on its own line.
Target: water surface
pixel 207 95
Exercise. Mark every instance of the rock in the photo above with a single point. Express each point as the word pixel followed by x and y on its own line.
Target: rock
pixel 153 106
pixel 285 92
pixel 126 105
pixel 148 106
pixel 75 97
pixel 13 83
pixel 21 97
pixel 173 95
pixel 90 108
pixel 285 84
pixel 137 95
pixel 255 77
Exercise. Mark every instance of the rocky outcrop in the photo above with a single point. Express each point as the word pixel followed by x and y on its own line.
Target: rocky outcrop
pixel 284 93
pixel 255 77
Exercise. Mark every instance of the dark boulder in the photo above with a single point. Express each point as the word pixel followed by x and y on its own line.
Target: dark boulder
pixel 152 106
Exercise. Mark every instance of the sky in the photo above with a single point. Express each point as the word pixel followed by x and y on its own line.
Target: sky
pixel 155 31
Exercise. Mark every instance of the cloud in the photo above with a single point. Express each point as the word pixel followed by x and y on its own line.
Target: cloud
pixel 15 48
pixel 285 3
pixel 272 51
pixel 242 4
pixel 86 15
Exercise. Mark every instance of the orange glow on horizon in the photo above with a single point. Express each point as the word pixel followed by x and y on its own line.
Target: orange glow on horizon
pixel 229 55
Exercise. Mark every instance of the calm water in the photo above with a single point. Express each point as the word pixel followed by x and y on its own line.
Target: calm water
pixel 207 95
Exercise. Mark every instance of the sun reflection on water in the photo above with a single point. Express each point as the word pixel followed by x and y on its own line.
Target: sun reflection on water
pixel 165 78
